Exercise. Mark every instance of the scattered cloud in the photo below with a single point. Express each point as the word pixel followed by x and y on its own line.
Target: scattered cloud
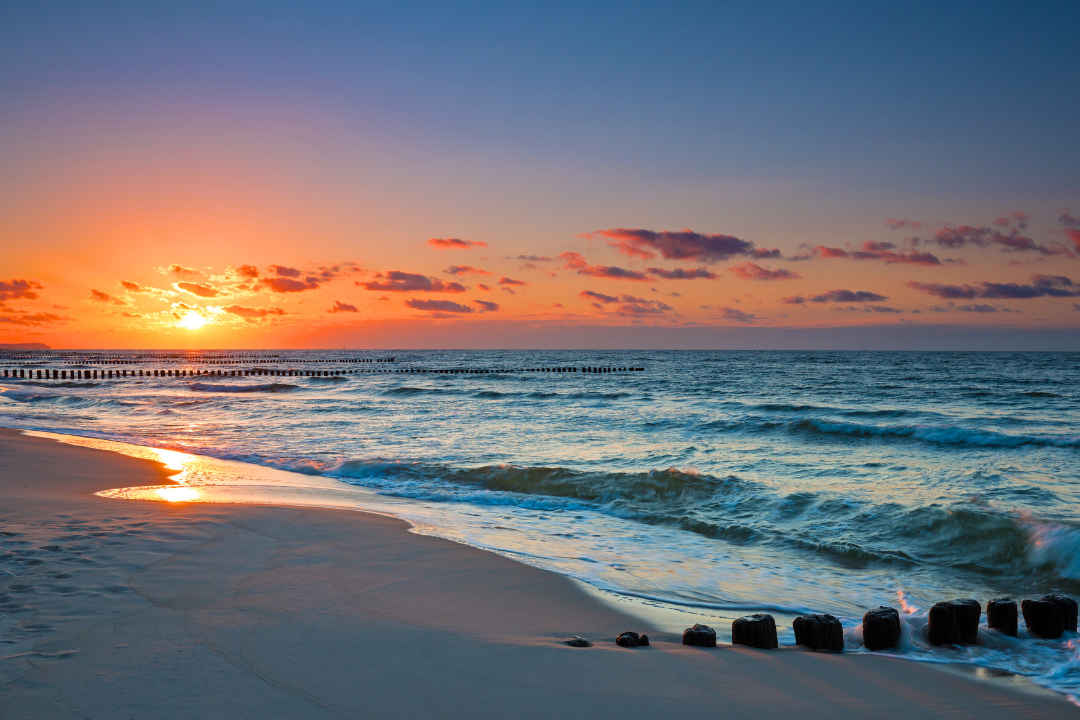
pixel 730 313
pixel 884 251
pixel 454 244
pixel 397 281
pixel 511 281
pixel 897 224
pixel 204 291
pixel 682 274
pixel 104 297
pixel 37 319
pixel 449 306
pixel 626 305
pixel 245 271
pixel 838 296
pixel 484 287
pixel 285 271
pixel 1041 286
pixel 19 289
pixel 252 313
pixel 680 245
pixel 460 270
pixel 181 271
pixel 340 307
pixel 753 271
pixel 536 258
pixel 575 261
pixel 976 308
pixel 288 285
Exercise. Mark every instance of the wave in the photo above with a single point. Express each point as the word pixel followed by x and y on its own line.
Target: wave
pixel 941 434
pixel 267 388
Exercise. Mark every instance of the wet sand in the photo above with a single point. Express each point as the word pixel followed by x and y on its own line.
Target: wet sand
pixel 139 609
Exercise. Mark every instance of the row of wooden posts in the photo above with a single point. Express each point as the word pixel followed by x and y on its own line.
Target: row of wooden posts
pixel 53 374
pixel 954 622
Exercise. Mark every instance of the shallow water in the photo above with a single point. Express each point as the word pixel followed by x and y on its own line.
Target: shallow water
pixel 789 481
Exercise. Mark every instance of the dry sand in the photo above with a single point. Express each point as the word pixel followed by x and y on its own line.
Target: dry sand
pixel 136 609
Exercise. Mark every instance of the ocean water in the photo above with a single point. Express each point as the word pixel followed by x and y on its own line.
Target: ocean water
pixel 721 482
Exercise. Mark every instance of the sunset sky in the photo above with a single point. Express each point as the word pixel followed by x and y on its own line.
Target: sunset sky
pixel 418 174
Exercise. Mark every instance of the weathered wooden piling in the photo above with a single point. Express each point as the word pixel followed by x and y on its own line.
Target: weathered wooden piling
pixel 1001 616
pixel 756 631
pixel 881 628
pixel 819 632
pixel 699 635
pixel 955 622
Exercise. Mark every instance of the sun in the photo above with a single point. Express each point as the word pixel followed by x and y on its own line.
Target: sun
pixel 192 321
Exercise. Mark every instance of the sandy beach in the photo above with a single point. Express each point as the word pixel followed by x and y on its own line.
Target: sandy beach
pixel 137 609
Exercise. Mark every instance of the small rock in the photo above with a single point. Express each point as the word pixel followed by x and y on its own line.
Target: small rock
pixel 1068 609
pixel 631 640
pixel 1044 618
pixel 1001 616
pixel 955 622
pixel 819 632
pixel 881 628
pixel 756 631
pixel 699 635
pixel 578 642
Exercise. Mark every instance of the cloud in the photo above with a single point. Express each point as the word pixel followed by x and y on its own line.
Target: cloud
pixel 536 258
pixel 204 291
pixel 575 261
pixel 839 296
pixel 1068 220
pixel 753 271
pixel 1041 286
pixel 454 244
pixel 976 308
pixel 342 307
pixel 680 245
pixel 730 313
pixel 484 287
pixel 897 224
pixel 181 271
pixel 1074 235
pixel 285 271
pixel 880 251
pixel 41 318
pixel 459 270
pixel 881 309
pixel 252 313
pixel 397 281
pixel 511 281
pixel 19 289
pixel 449 306
pixel 682 274
pixel 1005 234
pixel 289 285
pixel 98 296
pixel 628 305
pixel 246 271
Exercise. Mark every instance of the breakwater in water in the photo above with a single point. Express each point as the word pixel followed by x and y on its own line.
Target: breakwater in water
pixel 779 482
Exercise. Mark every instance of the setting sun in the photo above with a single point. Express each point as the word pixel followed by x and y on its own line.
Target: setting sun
pixel 192 321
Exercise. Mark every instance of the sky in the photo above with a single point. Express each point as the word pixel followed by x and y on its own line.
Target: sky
pixel 625 175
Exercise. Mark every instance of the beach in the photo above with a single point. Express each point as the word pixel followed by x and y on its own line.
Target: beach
pixel 154 609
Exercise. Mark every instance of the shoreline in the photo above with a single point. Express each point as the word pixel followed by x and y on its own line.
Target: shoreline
pixel 295 603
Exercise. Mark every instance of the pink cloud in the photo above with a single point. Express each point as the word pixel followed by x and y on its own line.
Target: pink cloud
pixel 682 274
pixel 454 244
pixel 204 291
pixel 575 261
pixel 752 271
pixel 340 307
pixel 459 270
pixel 252 313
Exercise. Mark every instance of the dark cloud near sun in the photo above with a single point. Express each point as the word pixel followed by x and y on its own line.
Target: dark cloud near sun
pixel 104 297
pixel 398 281
pixel 252 313
pixel 340 307
pixel 199 289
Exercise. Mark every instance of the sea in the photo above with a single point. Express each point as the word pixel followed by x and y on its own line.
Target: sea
pixel 686 486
